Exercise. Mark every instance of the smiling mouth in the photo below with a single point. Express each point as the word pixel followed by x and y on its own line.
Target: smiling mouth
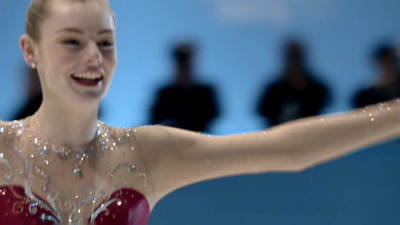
pixel 88 79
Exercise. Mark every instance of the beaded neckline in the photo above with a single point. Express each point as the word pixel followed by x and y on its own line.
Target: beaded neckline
pixel 64 152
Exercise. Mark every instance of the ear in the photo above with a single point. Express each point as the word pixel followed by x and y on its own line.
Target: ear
pixel 28 48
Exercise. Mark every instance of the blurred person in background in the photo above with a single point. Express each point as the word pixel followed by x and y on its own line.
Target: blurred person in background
pixel 185 103
pixel 296 93
pixel 33 96
pixel 387 85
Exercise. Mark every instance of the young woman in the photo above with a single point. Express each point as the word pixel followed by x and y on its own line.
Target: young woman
pixel 63 166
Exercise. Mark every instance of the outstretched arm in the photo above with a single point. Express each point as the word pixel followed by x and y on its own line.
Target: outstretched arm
pixel 177 157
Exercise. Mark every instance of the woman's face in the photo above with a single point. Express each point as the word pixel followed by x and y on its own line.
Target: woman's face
pixel 76 55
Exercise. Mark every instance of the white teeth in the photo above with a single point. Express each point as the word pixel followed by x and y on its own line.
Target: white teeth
pixel 89 76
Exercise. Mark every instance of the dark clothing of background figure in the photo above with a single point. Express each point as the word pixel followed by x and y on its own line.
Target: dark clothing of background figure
pixel 29 108
pixel 282 102
pixel 188 107
pixel 376 94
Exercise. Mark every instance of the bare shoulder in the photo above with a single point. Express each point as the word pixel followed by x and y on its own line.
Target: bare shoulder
pixel 151 135
pixel 159 135
pixel 154 138
pixel 158 140
pixel 142 135
pixel 139 131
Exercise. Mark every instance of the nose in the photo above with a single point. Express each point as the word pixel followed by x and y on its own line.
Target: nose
pixel 93 55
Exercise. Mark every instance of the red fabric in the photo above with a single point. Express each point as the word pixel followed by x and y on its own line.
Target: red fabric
pixel 131 208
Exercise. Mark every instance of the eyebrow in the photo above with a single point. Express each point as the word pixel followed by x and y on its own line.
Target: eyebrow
pixel 74 30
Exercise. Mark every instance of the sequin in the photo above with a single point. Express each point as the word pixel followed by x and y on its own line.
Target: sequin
pixel 77 172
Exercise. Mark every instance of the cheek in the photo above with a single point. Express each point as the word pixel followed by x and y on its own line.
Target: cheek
pixel 58 58
pixel 111 60
pixel 66 58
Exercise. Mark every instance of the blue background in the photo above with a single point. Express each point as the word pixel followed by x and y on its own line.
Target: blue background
pixel 239 45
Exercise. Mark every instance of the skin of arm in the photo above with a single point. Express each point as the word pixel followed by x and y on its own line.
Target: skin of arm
pixel 177 158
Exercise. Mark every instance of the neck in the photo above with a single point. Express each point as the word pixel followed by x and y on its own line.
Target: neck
pixel 184 77
pixel 66 125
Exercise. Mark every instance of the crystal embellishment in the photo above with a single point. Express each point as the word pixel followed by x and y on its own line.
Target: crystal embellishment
pixel 78 172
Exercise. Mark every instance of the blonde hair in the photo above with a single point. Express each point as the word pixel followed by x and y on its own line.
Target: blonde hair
pixel 39 10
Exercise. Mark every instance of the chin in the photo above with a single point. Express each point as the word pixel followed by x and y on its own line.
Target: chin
pixel 92 98
pixel 88 99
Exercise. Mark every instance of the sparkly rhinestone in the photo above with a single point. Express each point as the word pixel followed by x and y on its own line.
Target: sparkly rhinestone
pixel 1 129
pixel 78 172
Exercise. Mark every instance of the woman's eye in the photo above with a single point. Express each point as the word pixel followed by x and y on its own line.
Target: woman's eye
pixel 106 44
pixel 71 42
